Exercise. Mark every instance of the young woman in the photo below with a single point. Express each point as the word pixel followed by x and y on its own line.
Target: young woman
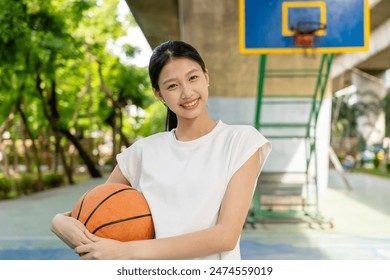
pixel 198 177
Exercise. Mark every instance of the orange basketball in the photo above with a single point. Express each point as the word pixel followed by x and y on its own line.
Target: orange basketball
pixel 115 211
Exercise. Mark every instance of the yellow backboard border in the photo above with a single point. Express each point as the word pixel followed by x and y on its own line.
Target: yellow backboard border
pixel 244 50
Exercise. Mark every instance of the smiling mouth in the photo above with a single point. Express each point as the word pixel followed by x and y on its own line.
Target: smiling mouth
pixel 190 105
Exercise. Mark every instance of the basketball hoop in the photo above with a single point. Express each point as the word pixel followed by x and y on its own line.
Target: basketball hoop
pixel 305 33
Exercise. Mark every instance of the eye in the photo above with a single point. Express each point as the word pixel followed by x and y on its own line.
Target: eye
pixel 172 86
pixel 194 77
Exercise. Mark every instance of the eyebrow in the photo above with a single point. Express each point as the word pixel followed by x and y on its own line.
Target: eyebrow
pixel 188 73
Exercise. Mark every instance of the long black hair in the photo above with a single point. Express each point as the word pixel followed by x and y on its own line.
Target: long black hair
pixel 162 54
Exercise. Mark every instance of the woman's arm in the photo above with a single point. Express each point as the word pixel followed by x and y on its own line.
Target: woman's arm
pixel 72 231
pixel 219 238
pixel 116 176
pixel 69 230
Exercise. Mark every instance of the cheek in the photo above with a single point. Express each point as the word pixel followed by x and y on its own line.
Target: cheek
pixel 204 91
pixel 169 97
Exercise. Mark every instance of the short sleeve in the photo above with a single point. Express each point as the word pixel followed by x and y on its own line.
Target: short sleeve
pixel 128 162
pixel 248 141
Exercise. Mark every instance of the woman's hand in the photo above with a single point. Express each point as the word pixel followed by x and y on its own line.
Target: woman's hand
pixel 103 249
pixel 69 230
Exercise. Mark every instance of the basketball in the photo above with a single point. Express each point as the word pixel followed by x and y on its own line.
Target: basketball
pixel 115 211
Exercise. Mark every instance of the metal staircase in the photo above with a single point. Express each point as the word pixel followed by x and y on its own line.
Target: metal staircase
pixel 290 195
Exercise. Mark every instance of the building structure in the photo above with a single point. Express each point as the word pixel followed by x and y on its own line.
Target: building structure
pixel 213 28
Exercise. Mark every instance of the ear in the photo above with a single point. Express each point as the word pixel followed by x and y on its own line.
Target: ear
pixel 158 95
pixel 206 74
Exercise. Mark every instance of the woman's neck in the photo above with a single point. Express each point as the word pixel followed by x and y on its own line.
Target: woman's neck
pixel 191 129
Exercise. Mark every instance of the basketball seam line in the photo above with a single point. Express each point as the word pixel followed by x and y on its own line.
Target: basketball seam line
pixel 81 204
pixel 122 220
pixel 104 200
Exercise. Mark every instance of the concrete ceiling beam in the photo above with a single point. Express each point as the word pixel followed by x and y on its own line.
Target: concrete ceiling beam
pixel 158 20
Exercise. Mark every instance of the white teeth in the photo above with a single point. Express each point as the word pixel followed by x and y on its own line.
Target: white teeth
pixel 190 104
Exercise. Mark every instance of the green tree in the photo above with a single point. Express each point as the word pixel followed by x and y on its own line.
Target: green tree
pixel 60 82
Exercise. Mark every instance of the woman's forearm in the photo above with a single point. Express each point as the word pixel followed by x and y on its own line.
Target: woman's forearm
pixel 69 230
pixel 192 245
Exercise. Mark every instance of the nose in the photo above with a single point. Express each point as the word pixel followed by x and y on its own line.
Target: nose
pixel 186 91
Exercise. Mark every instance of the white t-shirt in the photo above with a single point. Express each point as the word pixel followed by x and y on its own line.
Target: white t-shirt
pixel 184 182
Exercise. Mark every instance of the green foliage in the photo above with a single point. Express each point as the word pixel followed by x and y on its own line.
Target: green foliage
pixel 25 184
pixel 49 54
pixel 53 180
pixel 376 162
pixel 155 120
pixel 5 187
pixel 372 171
pixel 99 24
pixel 61 40
pixel 346 125
pixel 129 83
pixel 6 105
pixel 13 29
pixel 130 50
pixel 74 10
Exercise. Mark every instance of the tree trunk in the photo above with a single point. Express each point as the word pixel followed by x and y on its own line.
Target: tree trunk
pixel 53 116
pixel 3 146
pixel 43 148
pixel 3 150
pixel 112 123
pixel 56 154
pixel 67 168
pixel 15 157
pixel 120 131
pixel 125 140
pixel 114 138
pixel 117 107
pixel 27 161
pixel 33 147
pixel 94 172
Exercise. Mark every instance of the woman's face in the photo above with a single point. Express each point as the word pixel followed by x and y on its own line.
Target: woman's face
pixel 183 87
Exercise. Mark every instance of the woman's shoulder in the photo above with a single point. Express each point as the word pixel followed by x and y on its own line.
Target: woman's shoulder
pixel 241 128
pixel 154 138
pixel 146 143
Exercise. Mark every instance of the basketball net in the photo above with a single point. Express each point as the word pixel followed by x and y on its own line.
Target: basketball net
pixel 305 34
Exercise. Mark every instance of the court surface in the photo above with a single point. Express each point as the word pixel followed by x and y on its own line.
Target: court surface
pixel 361 225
